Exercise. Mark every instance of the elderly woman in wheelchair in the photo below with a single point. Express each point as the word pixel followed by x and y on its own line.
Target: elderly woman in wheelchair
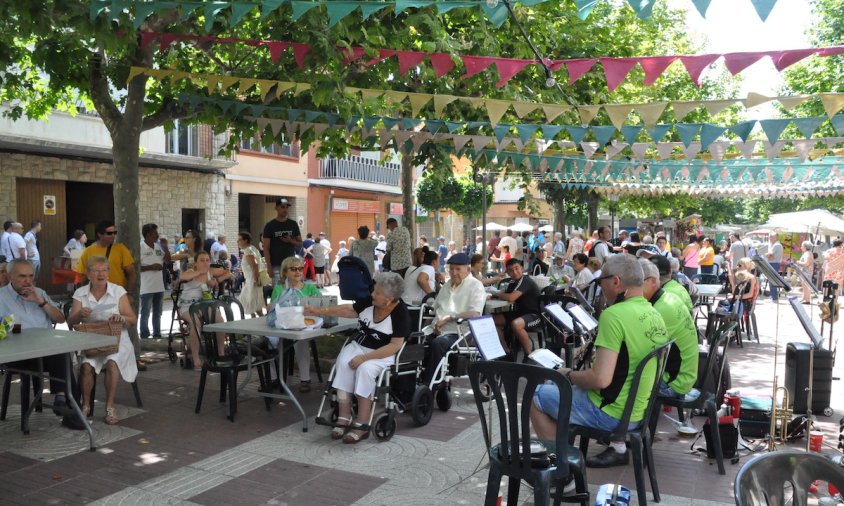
pixel 384 324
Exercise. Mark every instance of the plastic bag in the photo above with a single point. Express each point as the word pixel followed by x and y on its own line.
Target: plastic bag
pixel 289 313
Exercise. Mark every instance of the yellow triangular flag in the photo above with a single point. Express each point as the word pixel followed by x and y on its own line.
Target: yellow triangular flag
pixel 440 101
pixel 552 111
pixel 282 86
pixel 495 109
pixel 396 97
pixel 418 101
pixel 227 82
pixel 474 101
pixel 245 84
pixel 211 83
pixel 832 102
pixel 650 113
pixel 524 108
pixel 716 106
pixel 682 108
pixel 754 99
pixel 618 113
pixel 300 87
pixel 587 113
pixel 135 72
pixel 158 74
pixel 265 85
pixel 789 103
pixel 371 95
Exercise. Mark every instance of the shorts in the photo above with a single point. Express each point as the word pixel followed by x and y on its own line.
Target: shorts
pixel 583 411
pixel 319 270
pixel 532 321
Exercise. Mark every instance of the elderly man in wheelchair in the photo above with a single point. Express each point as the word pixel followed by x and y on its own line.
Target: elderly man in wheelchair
pixel 462 296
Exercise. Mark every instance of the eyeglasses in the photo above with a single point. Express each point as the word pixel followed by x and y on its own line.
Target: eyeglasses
pixel 606 276
pixel 110 232
pixel 99 271
pixel 296 269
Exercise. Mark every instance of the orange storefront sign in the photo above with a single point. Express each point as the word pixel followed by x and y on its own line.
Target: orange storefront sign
pixel 356 206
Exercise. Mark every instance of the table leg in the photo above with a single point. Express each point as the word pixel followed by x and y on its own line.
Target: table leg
pixel 249 367
pixel 71 399
pixel 287 390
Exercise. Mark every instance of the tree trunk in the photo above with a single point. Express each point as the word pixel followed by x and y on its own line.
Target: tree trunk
pixel 593 201
pixel 560 218
pixel 407 192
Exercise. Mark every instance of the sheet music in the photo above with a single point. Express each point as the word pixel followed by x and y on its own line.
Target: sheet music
pixel 547 359
pixel 486 337
pixel 563 318
pixel 583 318
pixel 808 326
pixel 582 298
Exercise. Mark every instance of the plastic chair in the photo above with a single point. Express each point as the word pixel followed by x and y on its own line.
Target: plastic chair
pixel 226 364
pixel 761 481
pixel 748 317
pixel 639 439
pixel 512 455
pixel 707 400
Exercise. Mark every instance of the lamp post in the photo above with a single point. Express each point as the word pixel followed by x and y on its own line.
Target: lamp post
pixel 613 198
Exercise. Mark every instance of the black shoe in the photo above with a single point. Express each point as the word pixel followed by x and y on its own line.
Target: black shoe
pixel 608 458
pixel 73 422
pixel 59 404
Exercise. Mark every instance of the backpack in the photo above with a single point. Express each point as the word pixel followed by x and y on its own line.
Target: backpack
pixel 355 279
pixel 592 249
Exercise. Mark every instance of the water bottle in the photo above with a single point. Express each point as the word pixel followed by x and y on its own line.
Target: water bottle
pixel 612 495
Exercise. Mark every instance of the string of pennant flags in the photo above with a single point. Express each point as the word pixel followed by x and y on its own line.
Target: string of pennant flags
pixel 615 69
pixel 496 108
pixel 233 12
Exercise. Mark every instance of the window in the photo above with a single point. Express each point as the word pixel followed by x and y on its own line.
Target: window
pixel 183 139
pixel 285 149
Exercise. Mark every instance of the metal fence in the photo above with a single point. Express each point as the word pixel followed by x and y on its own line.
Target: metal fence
pixel 358 168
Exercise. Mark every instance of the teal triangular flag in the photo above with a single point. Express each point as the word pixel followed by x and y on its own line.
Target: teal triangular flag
pixel 410 123
pixel 526 132
pixel 371 8
pixel 584 7
pixel 311 116
pixel 735 172
pixel 576 133
pixel 211 11
pixel 332 118
pixel 434 126
pixel 658 132
pixel 294 114
pixel 743 129
pixel 630 132
pixel 603 133
pixel 402 5
pixel 454 126
pixel 98 6
pixel 550 131
pixel 143 10
pixel 702 6
pixel 351 121
pixel 240 107
pixel 339 10
pixel 687 132
pixel 709 133
pixel 443 7
pixel 369 122
pixel 476 124
pixel 535 161
pixel 497 15
pixel 838 123
pixel 763 7
pixel 807 126
pixel 269 6
pixel 239 9
pixel 774 127
pixel 259 110
pixel 187 9
pixel 501 130
pixel 642 8
pixel 300 8
pixel 389 123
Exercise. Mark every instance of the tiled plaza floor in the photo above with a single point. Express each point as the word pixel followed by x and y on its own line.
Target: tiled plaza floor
pixel 164 453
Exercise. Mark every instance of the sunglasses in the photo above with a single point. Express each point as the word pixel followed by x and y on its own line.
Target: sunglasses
pixel 296 269
pixel 110 232
pixel 606 276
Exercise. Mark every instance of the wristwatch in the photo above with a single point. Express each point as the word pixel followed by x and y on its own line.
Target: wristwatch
pixel 568 374
pixel 42 304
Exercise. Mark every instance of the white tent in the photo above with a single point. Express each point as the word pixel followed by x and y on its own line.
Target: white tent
pixel 816 221
pixel 492 226
pixel 521 227
pixel 546 228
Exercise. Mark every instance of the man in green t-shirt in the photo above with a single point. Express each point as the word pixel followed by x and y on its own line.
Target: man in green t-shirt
pixel 628 330
pixel 669 284
pixel 681 368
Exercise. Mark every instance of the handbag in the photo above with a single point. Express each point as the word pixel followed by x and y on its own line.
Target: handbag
pixel 264 278
pixel 106 328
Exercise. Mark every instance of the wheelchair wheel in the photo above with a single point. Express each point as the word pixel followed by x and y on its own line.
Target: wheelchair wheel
pixel 422 405
pixel 443 398
pixel 385 427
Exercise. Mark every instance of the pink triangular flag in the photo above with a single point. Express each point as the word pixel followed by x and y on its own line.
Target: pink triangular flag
pixel 383 54
pixel 746 148
pixel 654 66
pixel 664 149
pixel 616 69
pixel 508 67
pixel 459 141
pixel 831 51
pixel 803 146
pixel 276 49
pixel 351 54
pixel 736 62
pixel 589 148
pixel 717 150
pixel 578 67
pixel 696 64
pixel 475 64
pixel 166 40
pixel 409 60
pixel 639 149
pixel 442 63
pixel 299 52
pixel 783 59
pixel 147 38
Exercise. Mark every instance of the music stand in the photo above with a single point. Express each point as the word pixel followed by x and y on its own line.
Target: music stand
pixel 581 298
pixel 804 276
pixel 817 343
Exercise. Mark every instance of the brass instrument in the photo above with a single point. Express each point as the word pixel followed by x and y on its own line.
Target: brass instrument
pixel 780 416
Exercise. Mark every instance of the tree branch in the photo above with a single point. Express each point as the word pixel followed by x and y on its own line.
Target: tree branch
pixel 168 111
pixel 101 96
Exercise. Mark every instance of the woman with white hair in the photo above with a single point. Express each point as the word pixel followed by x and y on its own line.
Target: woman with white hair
pixel 807 263
pixel 383 324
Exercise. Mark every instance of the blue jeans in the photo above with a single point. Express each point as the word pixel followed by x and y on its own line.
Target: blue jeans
pixel 774 290
pixel 155 300
pixel 583 411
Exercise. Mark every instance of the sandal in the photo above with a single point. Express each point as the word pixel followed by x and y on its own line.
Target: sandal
pixel 339 432
pixel 111 418
pixel 86 411
pixel 352 438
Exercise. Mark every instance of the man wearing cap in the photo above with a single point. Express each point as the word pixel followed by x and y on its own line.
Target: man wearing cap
pixel 280 239
pixel 398 247
pixel 462 296
pixel 538 267
pixel 647 251
pixel 442 251
pixel 668 283
pixel 681 367
pixel 559 270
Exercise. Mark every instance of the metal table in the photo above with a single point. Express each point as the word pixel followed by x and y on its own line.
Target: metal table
pixel 709 291
pixel 40 343
pixel 259 327
pixel 493 306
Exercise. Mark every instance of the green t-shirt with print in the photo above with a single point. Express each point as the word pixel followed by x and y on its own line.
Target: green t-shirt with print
pixel 308 290
pixel 632 329
pixel 681 368
pixel 680 291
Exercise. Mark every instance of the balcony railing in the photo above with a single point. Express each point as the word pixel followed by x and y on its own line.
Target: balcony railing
pixel 358 168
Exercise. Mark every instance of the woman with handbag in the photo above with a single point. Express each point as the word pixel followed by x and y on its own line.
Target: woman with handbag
pixel 255 276
pixel 101 301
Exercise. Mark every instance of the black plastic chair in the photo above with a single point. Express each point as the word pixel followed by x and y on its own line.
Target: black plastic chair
pixel 227 364
pixel 512 455
pixel 640 438
pixel 761 481
pixel 707 400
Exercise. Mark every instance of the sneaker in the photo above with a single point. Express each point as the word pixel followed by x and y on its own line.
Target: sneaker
pixel 59 404
pixel 142 366
pixel 73 422
pixel 608 458
pixel 304 387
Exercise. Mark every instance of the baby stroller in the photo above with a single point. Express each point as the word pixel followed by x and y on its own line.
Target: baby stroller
pixel 356 281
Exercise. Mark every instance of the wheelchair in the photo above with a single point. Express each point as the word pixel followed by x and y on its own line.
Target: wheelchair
pixel 394 390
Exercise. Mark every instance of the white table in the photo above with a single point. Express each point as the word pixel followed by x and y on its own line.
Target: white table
pixel 40 343
pixel 497 306
pixel 258 327
pixel 709 290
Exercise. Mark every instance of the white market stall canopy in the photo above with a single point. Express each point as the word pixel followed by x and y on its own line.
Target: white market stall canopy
pixel 815 221
pixel 492 226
